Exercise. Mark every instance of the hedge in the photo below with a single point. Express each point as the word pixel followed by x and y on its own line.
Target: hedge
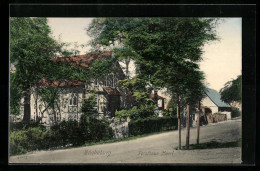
pixel 28 137
pixel 149 125
pixel 24 125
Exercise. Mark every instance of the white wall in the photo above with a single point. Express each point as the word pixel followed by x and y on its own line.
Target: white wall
pixel 208 103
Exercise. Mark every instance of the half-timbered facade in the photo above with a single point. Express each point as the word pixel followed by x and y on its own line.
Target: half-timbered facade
pixel 109 96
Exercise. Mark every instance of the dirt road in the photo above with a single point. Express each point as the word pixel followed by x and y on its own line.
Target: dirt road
pixel 157 148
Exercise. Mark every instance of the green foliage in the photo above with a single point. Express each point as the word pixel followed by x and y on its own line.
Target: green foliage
pixel 167 50
pixel 232 91
pixel 31 47
pixel 148 125
pixel 123 114
pixel 18 142
pixel 28 139
pixel 235 112
pixel 134 84
pixel 136 112
pixel 15 94
pixel 49 95
pixel 24 125
pixel 142 98
pixel 88 106
pixel 171 109
pixel 72 132
pixel 143 107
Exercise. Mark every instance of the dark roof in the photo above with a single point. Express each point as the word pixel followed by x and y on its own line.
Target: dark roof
pixel 215 98
pixel 85 60
pixel 112 91
pixel 58 83
pixel 159 97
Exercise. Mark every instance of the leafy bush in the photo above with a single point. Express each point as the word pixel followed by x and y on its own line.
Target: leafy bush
pixel 136 112
pixel 66 132
pixel 77 133
pixel 149 125
pixel 32 137
pixel 24 125
pixel 171 109
pixel 24 140
pixel 235 112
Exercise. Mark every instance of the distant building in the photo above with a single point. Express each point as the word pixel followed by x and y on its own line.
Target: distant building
pixel 212 103
pixel 159 101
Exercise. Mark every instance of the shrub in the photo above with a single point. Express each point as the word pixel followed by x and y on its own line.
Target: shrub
pixel 137 112
pixel 17 142
pixel 77 133
pixel 171 109
pixel 24 125
pixel 24 140
pixel 67 132
pixel 235 112
pixel 149 125
pixel 100 129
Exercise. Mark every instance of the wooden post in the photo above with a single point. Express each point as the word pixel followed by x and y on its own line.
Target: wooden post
pixel 198 125
pixel 179 121
pixel 188 127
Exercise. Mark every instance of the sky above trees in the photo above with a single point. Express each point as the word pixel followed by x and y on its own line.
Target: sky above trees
pixel 222 60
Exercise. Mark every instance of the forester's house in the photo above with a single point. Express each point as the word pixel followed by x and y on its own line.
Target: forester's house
pixel 212 103
pixel 109 95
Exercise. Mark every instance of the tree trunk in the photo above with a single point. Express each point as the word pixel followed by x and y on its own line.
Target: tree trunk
pixel 27 106
pixel 198 126
pixel 179 121
pixel 188 127
pixel 54 114
pixel 36 105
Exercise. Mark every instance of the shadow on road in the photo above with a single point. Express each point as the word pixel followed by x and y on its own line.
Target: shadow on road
pixel 213 144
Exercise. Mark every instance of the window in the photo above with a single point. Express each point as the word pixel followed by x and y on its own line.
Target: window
pixel 110 80
pixel 73 100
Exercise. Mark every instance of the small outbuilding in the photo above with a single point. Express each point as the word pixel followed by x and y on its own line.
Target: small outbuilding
pixel 212 103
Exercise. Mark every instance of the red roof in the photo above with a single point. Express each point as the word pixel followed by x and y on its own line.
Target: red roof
pixel 112 91
pixel 159 97
pixel 80 60
pixel 85 60
pixel 58 83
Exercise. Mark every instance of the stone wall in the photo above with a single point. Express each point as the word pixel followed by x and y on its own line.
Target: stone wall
pixel 120 127
pixel 213 118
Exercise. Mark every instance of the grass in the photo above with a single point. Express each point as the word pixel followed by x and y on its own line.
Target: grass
pixel 213 144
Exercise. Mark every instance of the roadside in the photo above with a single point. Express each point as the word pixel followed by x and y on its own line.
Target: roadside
pixel 158 148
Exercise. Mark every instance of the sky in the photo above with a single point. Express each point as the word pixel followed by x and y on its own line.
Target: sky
pixel 222 59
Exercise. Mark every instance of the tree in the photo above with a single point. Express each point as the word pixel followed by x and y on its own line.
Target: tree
pixel 31 51
pixel 15 94
pixel 51 97
pixel 30 48
pixel 232 90
pixel 167 50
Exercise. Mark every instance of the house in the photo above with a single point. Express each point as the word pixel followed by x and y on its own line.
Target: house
pixel 71 93
pixel 212 103
pixel 159 100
